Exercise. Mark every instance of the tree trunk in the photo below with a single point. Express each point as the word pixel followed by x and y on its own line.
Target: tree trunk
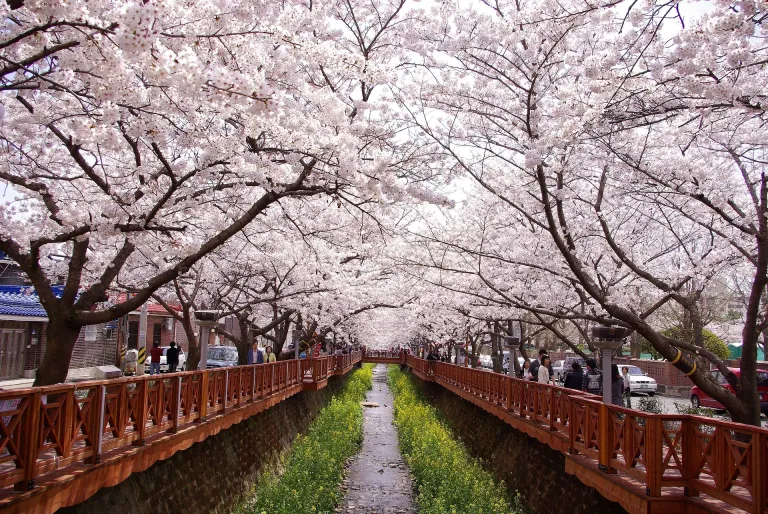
pixel 60 341
pixel 243 344
pixel 193 348
pixel 496 354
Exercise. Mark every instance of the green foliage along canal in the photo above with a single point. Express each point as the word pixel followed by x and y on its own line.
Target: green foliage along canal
pixel 314 467
pixel 447 478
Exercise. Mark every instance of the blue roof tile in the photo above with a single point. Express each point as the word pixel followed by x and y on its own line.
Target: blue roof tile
pixel 22 301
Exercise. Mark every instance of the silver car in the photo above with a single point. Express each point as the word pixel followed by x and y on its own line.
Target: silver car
pixel 559 369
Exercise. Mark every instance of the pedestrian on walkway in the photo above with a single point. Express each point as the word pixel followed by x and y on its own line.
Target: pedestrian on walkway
pixel 627 388
pixel 535 363
pixel 593 379
pixel 269 356
pixel 255 356
pixel 172 357
pixel 575 378
pixel 525 372
pixel 544 370
pixel 154 358
pixel 617 386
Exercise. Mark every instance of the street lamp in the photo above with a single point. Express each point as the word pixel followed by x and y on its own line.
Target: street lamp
pixel 207 319
pixel 512 343
pixel 607 337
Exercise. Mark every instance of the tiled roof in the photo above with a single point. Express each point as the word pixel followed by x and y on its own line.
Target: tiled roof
pixel 152 307
pixel 22 301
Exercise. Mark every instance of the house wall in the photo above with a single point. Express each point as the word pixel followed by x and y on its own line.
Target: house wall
pixel 100 351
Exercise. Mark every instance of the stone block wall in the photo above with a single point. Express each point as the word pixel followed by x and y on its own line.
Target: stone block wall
pixel 213 475
pixel 527 466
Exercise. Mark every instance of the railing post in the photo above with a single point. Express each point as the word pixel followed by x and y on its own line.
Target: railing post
pixel 141 415
pixel 759 472
pixel 253 384
pixel 523 398
pixel 176 407
pixel 689 457
pixel 572 428
pixel 510 384
pixel 604 439
pixel 97 424
pixel 653 456
pixel 28 444
pixel 226 389
pixel 68 418
pixel 552 414
pixel 204 396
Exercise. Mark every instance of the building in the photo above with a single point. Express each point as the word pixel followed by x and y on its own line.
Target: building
pixel 24 324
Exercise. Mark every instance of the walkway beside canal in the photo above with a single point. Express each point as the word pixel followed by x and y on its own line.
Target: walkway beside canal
pixel 377 479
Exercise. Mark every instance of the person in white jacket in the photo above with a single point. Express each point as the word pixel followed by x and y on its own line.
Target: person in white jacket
pixel 544 370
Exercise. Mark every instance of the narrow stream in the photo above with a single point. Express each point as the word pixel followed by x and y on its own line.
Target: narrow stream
pixel 377 479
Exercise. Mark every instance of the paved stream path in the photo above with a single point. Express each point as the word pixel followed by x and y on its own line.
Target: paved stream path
pixel 377 479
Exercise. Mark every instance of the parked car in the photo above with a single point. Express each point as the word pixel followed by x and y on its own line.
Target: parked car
pixel 164 362
pixel 486 361
pixel 700 399
pixel 639 382
pixel 569 361
pixel 222 356
pixel 559 369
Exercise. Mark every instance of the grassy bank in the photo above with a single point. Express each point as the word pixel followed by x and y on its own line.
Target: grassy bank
pixel 314 466
pixel 448 479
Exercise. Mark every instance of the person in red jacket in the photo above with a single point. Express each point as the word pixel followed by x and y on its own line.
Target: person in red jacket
pixel 154 358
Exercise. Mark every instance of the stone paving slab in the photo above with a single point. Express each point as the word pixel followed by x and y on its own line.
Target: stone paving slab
pixel 377 479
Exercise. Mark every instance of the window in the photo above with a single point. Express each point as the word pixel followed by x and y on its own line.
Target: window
pixel 157 329
pixel 91 332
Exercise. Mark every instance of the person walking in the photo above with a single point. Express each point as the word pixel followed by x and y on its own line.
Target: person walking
pixel 593 379
pixel 172 357
pixel 525 370
pixel 269 356
pixel 543 374
pixel 574 379
pixel 154 358
pixel 627 386
pixel 617 386
pixel 255 356
pixel 535 363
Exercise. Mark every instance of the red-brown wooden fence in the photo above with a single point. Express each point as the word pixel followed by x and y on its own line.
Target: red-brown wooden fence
pixel 47 429
pixel 691 455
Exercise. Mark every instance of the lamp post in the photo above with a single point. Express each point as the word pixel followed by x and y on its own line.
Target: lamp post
pixel 207 320
pixel 512 342
pixel 607 337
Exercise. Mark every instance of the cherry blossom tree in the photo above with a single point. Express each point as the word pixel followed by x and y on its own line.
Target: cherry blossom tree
pixel 627 139
pixel 141 136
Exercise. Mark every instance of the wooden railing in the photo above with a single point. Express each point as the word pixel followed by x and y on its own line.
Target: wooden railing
pixel 46 429
pixel 691 455
pixel 382 355
pixel 344 361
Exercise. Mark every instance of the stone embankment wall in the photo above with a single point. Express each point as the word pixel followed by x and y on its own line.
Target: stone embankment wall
pixel 527 466
pixel 213 475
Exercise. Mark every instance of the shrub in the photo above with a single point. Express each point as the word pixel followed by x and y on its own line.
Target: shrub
pixel 314 467
pixel 448 480
pixel 711 342
pixel 650 404
pixel 684 408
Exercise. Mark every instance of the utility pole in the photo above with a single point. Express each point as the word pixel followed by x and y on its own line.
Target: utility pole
pixel 142 344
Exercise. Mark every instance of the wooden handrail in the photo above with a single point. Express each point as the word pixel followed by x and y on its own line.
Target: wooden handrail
pixel 46 429
pixel 694 454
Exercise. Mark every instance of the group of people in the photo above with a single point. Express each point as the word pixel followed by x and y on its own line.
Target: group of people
pixel 435 355
pixel 538 370
pixel 256 356
pixel 171 357
pixel 589 380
